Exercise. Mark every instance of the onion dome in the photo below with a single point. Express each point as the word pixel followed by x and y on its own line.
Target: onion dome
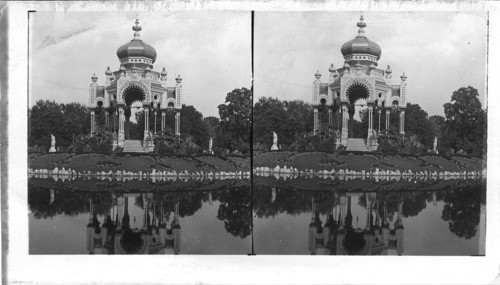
pixel 122 68
pixel 163 72
pixel 332 69
pixel 388 70
pixel 94 78
pixel 108 72
pixel 148 69
pixel 317 75
pixel 346 65
pixel 403 77
pixel 372 66
pixel 136 47
pixel 361 44
pixel 178 79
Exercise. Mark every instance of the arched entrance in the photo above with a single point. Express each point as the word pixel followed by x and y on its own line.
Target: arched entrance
pixel 133 98
pixel 358 94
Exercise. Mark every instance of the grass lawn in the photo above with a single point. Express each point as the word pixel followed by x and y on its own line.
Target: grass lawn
pixel 137 162
pixel 366 161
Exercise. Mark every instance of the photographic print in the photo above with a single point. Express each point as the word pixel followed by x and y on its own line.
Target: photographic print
pixel 139 133
pixel 369 133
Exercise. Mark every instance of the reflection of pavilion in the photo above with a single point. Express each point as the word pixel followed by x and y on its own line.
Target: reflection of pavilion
pixel 356 230
pixel 129 229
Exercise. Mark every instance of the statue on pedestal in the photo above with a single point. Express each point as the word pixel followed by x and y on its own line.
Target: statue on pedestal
pixel 275 141
pixel 52 143
pixel 210 144
pixel 435 145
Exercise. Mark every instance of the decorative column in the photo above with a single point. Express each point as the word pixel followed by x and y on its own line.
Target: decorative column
pixel 315 120
pixel 177 123
pixel 339 113
pixel 146 122
pixel 379 112
pixel 106 118
pixel 402 122
pixel 387 118
pixel 92 122
pixel 121 126
pixel 155 122
pixel 370 119
pixel 163 120
pixel 330 117
pixel 345 132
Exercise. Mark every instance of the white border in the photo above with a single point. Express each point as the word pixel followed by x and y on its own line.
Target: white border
pixel 23 268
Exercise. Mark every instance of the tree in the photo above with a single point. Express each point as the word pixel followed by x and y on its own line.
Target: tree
pixel 289 119
pixel 235 120
pixel 462 210
pixel 64 121
pixel 417 123
pixel 235 210
pixel 465 124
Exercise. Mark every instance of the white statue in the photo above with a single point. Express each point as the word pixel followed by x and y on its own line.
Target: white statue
pixel 210 144
pixel 435 144
pixel 275 141
pixel 52 143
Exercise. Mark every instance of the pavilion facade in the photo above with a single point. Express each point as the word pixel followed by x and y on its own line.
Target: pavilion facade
pixel 360 79
pixel 135 81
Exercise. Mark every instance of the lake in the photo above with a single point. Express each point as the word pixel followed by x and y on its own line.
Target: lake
pixel 276 216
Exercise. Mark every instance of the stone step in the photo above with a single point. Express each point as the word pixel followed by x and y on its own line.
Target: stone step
pixel 132 146
pixel 355 144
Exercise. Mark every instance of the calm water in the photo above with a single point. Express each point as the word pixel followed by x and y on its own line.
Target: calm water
pixel 443 222
pixel 79 217
pixel 63 220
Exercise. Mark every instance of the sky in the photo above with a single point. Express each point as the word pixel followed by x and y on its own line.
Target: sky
pixel 211 50
pixel 439 51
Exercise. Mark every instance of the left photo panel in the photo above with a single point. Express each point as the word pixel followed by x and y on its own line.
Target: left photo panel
pixel 139 132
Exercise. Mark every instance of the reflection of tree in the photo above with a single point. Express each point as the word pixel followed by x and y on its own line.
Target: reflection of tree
pixel 66 202
pixel 235 210
pixel 462 210
pixel 189 202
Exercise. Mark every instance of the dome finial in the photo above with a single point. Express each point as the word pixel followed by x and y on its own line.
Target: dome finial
pixel 136 29
pixel 317 75
pixel 361 25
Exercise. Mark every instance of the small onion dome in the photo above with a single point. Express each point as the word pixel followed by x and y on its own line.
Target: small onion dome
pixel 148 69
pixel 163 72
pixel 178 79
pixel 108 72
pixel 317 75
pixel 94 78
pixel 122 68
pixel 403 77
pixel 332 69
pixel 372 66
pixel 388 70
pixel 346 65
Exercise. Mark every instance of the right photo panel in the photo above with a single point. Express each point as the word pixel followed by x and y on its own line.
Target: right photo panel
pixel 369 133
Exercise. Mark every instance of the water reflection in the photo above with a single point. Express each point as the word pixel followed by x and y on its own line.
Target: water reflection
pixel 336 222
pixel 139 222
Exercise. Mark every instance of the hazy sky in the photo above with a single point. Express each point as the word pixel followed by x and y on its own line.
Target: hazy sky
pixel 439 52
pixel 210 49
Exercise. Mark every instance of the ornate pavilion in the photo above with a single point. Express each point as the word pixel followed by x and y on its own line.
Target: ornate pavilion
pixel 135 81
pixel 359 79
pixel 367 230
pixel 134 230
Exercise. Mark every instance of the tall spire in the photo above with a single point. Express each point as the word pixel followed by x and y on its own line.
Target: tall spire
pixel 137 29
pixel 361 25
